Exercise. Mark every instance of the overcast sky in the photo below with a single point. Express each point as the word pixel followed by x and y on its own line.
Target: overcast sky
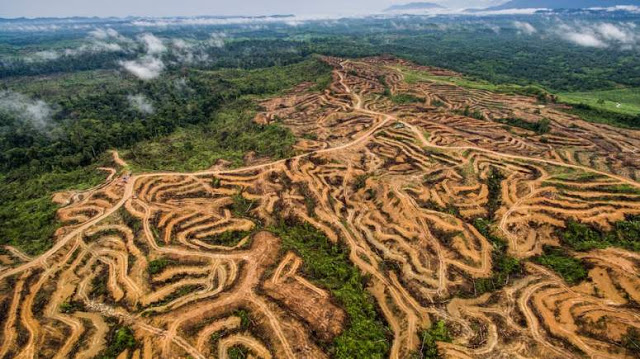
pixel 104 8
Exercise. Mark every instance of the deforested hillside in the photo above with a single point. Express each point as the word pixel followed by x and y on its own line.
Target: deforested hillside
pixel 418 216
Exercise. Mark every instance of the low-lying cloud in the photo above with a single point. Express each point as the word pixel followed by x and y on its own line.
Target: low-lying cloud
pixel 600 35
pixel 217 39
pixel 145 68
pixel 195 52
pixel 98 40
pixel 149 66
pixel 584 39
pixel 525 27
pixel 141 104
pixel 104 34
pixel 46 55
pixel 153 45
pixel 36 112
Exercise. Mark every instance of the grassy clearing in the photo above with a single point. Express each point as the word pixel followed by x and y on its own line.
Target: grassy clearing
pixel 625 101
pixel 596 106
pixel 328 266
pixel 413 77
pixel 596 115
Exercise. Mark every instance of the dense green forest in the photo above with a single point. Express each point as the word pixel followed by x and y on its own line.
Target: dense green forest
pixel 488 48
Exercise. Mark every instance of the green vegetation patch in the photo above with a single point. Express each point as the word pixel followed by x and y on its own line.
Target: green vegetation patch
pixel 227 238
pixel 327 265
pixel 572 270
pixel 241 206
pixel 27 213
pixel 599 115
pixel 360 182
pixel 581 237
pixel 158 265
pixel 631 341
pixel 121 340
pixel 494 185
pixel 405 99
pixel 229 135
pixel 429 338
pixel 505 268
pixel 541 127
pixel 71 307
pixel 238 352
pixel 467 112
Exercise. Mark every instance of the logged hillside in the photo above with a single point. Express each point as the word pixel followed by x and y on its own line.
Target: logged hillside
pixel 415 217
pixel 194 119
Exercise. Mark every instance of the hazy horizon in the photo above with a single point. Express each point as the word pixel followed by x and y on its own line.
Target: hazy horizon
pixel 124 8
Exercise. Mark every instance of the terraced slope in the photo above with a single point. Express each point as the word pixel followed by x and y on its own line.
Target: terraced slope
pixel 445 197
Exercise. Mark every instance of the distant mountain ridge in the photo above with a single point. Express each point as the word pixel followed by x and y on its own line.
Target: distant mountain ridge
pixel 414 6
pixel 562 4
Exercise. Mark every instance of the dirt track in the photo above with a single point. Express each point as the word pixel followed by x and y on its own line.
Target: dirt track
pixel 399 184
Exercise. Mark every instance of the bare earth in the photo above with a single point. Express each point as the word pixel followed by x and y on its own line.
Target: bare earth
pixel 379 175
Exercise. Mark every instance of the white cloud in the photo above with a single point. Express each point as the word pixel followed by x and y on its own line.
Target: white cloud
pixel 628 8
pixel 36 112
pixel 46 55
pixel 93 47
pixel 99 40
pixel 525 27
pixel 141 103
pixel 145 68
pixel 614 33
pixel 29 28
pixel 153 44
pixel 585 39
pixel 181 44
pixel 494 28
pixel 600 35
pixel 150 65
pixel 187 52
pixel 104 34
pixel 217 39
